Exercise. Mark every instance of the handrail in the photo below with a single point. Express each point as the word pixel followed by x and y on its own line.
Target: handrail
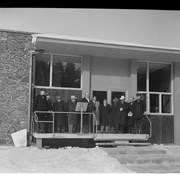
pixel 59 112
pixel 150 131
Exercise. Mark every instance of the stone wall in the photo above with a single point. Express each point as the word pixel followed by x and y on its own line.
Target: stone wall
pixel 14 82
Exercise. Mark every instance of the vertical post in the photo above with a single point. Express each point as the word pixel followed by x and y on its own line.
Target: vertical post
pixel 53 125
pixel 81 120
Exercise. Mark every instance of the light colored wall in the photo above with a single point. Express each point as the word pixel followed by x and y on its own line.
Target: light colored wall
pixel 176 103
pixel 110 74
pixel 153 27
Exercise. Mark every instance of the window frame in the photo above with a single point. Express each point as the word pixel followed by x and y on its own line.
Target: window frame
pixel 147 92
pixel 51 73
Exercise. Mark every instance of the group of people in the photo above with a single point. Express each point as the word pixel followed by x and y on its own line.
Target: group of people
pixel 109 118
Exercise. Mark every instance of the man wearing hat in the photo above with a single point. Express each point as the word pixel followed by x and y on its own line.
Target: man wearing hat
pixel 59 106
pixel 138 110
pixel 72 118
pixel 121 115
pixel 40 104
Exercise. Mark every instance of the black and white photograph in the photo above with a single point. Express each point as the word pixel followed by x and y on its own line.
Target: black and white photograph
pixel 89 91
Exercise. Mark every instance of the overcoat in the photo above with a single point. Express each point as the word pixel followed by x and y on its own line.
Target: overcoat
pixel 113 114
pixel 40 103
pixel 96 111
pixel 138 109
pixel 72 117
pixel 104 112
pixel 121 116
pixel 59 107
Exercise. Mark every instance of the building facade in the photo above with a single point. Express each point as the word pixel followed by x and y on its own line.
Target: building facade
pixel 66 66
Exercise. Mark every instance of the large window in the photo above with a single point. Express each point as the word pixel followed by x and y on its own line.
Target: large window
pixel 155 81
pixel 58 71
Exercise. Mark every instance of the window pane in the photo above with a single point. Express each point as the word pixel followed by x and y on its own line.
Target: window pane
pixel 66 71
pixel 42 70
pixel 166 103
pixel 154 103
pixel 141 76
pixel 159 77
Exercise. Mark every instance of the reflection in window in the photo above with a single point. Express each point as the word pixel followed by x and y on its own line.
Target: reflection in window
pixel 166 103
pixel 141 76
pixel 159 77
pixel 154 103
pixel 66 71
pixel 42 70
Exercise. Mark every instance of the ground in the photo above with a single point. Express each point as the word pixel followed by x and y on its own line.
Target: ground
pixel 84 160
pixel 62 160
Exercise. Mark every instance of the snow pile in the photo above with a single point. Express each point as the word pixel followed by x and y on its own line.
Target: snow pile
pixel 62 160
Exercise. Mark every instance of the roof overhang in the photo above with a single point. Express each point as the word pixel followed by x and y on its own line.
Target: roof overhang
pixel 103 48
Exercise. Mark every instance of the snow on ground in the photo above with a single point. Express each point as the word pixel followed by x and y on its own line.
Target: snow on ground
pixel 62 160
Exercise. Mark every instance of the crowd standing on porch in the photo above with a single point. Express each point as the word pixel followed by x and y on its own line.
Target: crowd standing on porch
pixel 120 117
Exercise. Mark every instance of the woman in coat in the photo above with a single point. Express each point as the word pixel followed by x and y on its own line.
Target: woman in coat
pixel 59 106
pixel 104 112
pixel 113 114
pixel 72 119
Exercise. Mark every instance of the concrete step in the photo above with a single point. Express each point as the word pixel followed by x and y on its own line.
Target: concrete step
pixel 133 150
pixel 121 143
pixel 147 159
pixel 154 168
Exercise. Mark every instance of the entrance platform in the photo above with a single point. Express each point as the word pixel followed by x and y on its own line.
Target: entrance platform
pixel 99 139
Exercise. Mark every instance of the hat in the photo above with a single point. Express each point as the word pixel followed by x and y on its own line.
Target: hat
pixel 48 94
pixel 122 97
pixel 73 97
pixel 58 97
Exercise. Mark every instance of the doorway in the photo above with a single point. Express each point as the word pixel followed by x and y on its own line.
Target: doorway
pixel 101 95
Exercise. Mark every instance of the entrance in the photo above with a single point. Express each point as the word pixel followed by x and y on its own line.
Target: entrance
pixel 101 95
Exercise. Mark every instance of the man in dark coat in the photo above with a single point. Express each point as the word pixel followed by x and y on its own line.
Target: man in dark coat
pixel 48 126
pixel 138 110
pixel 72 118
pixel 40 104
pixel 59 106
pixel 130 121
pixel 113 114
pixel 121 115
pixel 87 119
pixel 104 113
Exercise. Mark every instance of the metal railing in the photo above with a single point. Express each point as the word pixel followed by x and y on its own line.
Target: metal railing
pixel 92 119
pixel 150 123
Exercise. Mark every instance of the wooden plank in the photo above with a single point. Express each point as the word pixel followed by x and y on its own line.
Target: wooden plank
pixel 63 136
pixel 111 137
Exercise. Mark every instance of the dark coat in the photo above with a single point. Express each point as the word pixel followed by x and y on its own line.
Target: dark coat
pixel 104 113
pixel 59 107
pixel 138 109
pixel 40 103
pixel 121 116
pixel 72 117
pixel 90 108
pixel 113 114
pixel 49 105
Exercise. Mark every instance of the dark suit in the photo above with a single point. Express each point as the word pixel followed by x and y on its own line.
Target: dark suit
pixel 87 121
pixel 40 104
pixel 59 118
pixel 104 112
pixel 138 110
pixel 121 116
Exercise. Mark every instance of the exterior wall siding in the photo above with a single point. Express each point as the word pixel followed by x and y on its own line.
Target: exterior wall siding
pixel 14 82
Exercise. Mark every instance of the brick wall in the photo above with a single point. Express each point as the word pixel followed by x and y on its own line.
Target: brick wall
pixel 14 82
